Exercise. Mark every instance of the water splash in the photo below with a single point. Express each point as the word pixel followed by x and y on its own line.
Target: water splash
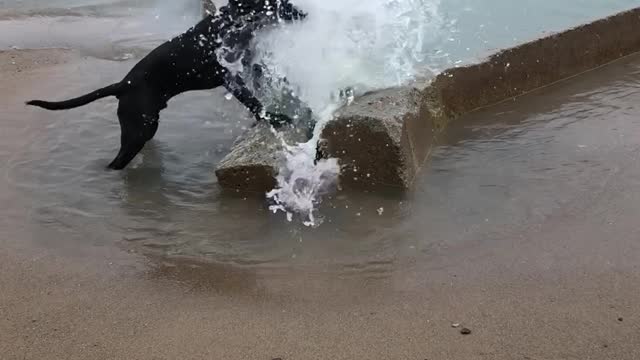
pixel 343 44
pixel 302 181
pixel 352 44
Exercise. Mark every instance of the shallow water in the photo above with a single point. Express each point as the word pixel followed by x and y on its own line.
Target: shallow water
pixel 496 171
pixel 101 28
pixel 548 155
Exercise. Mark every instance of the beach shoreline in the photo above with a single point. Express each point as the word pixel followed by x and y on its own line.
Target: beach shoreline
pixel 565 288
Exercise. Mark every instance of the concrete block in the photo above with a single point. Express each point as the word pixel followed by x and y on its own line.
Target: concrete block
pixel 515 71
pixel 254 159
pixel 383 137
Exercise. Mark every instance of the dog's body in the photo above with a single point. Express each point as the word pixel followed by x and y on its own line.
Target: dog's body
pixel 187 62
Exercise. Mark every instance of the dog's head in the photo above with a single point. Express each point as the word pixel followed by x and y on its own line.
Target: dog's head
pixel 282 9
pixel 246 7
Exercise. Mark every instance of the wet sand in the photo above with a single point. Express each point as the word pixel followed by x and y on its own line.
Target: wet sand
pixel 559 283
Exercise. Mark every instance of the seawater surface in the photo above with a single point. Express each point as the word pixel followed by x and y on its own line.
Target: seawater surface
pixel 495 171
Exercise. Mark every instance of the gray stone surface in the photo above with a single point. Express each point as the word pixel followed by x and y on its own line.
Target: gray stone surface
pixel 371 138
pixel 254 159
pixel 382 139
pixel 385 137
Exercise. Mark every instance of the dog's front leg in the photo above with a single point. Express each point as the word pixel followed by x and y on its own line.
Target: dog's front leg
pixel 235 85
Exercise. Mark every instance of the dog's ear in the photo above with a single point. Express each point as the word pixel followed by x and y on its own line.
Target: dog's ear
pixel 289 12
pixel 245 7
pixel 208 7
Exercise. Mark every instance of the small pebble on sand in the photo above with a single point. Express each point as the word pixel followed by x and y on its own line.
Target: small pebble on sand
pixel 465 331
pixel 455 325
pixel 620 319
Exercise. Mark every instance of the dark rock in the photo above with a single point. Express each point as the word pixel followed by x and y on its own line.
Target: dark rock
pixel 382 138
pixel 252 164
pixel 385 137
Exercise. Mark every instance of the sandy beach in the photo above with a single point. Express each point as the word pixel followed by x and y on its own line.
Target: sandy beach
pixel 560 286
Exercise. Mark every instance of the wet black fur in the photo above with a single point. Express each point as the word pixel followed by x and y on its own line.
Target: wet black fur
pixel 187 62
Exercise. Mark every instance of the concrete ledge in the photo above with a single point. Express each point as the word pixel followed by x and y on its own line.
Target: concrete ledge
pixel 538 63
pixel 384 137
pixel 370 133
pixel 382 140
pixel 253 160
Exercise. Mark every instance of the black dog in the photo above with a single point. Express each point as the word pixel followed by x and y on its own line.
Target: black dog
pixel 187 62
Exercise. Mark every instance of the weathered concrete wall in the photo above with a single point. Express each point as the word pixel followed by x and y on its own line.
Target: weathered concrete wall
pixel 535 64
pixel 385 137
pixel 394 154
pixel 378 130
pixel 254 158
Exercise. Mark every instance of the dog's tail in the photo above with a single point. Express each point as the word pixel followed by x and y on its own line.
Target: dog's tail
pixel 111 90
